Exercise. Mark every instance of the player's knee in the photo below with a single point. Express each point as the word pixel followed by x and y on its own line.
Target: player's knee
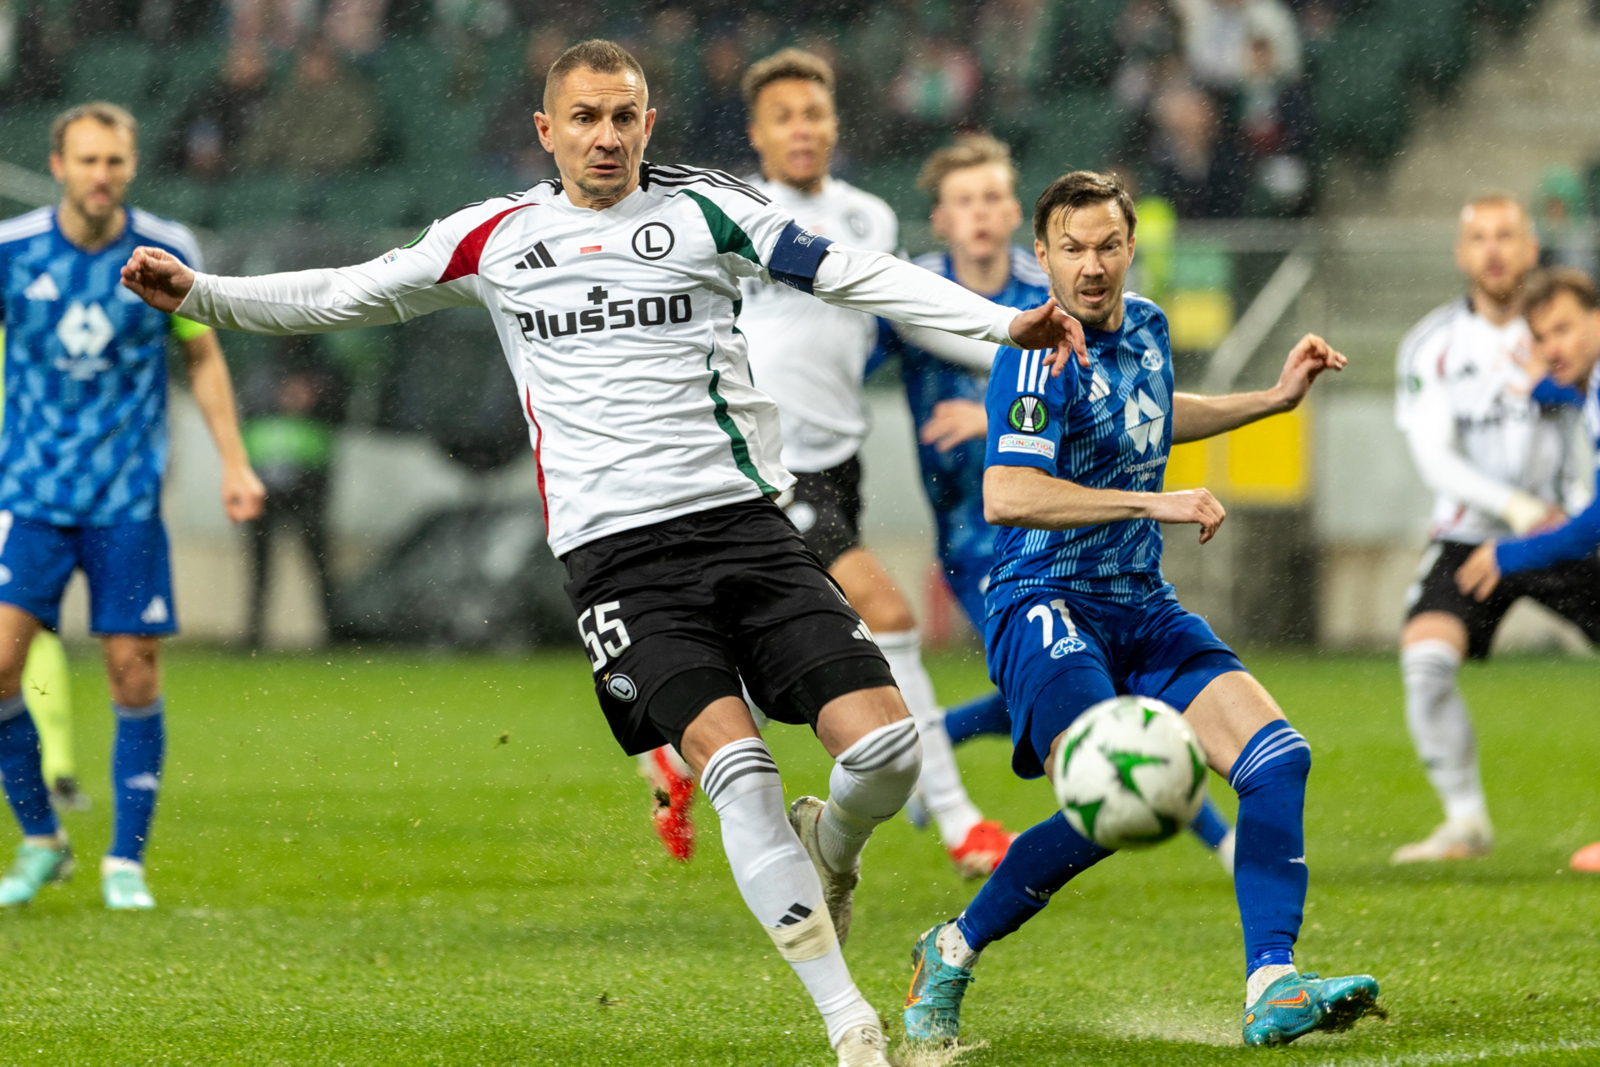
pixel 879 771
pixel 133 674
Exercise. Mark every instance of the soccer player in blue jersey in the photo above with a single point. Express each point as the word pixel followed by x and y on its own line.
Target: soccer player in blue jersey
pixel 975 212
pixel 1073 476
pixel 82 452
pixel 1562 307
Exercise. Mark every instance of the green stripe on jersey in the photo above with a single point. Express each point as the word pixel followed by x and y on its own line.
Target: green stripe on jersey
pixel 726 232
pixel 741 447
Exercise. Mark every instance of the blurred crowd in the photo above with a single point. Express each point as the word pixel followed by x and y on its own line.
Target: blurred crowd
pixel 1210 103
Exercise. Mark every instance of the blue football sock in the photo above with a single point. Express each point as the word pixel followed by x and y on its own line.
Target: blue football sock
pixel 1040 861
pixel 19 763
pixel 984 715
pixel 1210 826
pixel 1269 866
pixel 136 775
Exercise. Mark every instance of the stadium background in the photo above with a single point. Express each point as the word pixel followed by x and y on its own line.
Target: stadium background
pixel 1329 170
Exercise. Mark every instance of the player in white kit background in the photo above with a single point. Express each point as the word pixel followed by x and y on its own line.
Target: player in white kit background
pixel 1499 463
pixel 811 357
pixel 615 294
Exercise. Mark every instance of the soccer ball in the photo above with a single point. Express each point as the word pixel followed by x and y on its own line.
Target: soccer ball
pixel 1130 773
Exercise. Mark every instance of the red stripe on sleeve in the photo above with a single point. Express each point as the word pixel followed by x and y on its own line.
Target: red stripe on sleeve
pixel 464 260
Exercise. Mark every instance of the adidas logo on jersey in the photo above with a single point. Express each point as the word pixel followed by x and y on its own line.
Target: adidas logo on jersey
pixel 42 288
pixel 155 613
pixel 539 257
pixel 1099 388
pixel 607 314
pixel 1144 420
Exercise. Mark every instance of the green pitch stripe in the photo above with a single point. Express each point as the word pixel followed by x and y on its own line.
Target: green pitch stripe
pixel 741 447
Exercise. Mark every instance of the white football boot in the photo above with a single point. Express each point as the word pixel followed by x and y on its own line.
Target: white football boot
pixel 838 888
pixel 1453 839
pixel 863 1046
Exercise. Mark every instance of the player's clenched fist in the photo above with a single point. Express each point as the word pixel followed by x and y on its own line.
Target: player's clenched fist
pixel 1306 360
pixel 1047 326
pixel 160 278
pixel 1190 505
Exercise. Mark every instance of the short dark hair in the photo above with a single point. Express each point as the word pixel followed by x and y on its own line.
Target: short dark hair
pixel 1080 189
pixel 1543 286
pixel 596 54
pixel 106 114
pixel 781 66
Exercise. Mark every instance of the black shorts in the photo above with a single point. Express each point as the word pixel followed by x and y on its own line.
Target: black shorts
pixel 827 510
pixel 675 614
pixel 1571 590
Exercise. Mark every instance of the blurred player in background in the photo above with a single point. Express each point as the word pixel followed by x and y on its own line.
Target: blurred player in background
pixel 1562 309
pixel 1499 463
pixel 810 357
pixel 82 453
pixel 975 212
pixel 615 293
pixel 1073 471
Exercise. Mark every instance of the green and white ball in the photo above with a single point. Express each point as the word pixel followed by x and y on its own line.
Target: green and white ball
pixel 1130 773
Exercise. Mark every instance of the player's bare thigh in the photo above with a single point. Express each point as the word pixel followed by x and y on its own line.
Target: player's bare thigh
pixel 872 592
pixel 1435 626
pixel 843 721
pixel 17 629
pixel 133 668
pixel 1229 711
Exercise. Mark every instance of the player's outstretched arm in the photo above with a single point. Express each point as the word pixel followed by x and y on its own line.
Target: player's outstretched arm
pixel 242 491
pixel 1195 418
pixel 880 284
pixel 1030 498
pixel 1577 538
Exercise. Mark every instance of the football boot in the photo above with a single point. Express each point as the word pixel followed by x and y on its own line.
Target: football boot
pixel 34 866
pixel 933 1003
pixel 863 1046
pixel 1297 1004
pixel 838 887
pixel 1453 839
pixel 982 850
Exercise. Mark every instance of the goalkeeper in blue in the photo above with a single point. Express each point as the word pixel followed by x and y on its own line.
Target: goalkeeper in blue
pixel 82 452
pixel 1078 612
pixel 972 183
pixel 1562 307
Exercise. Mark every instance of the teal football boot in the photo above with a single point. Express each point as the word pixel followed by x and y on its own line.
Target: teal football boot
pixel 933 1003
pixel 34 866
pixel 124 890
pixel 1297 1004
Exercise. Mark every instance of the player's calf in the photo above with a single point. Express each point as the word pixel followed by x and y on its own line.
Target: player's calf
pixel 780 885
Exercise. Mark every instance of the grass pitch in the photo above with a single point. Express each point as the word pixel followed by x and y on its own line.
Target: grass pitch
pixel 368 858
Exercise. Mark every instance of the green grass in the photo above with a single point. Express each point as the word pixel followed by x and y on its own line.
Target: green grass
pixel 352 869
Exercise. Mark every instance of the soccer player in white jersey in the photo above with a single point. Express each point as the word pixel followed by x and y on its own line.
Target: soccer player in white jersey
pixel 1499 463
pixel 82 455
pixel 615 293
pixel 811 358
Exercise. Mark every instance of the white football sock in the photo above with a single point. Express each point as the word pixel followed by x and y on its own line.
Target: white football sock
pixel 1440 727
pixel 1262 977
pixel 869 783
pixel 953 947
pixel 777 880
pixel 947 799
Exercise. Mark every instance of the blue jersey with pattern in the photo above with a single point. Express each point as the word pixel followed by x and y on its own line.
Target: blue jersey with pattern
pixel 953 480
pixel 84 437
pixel 1107 427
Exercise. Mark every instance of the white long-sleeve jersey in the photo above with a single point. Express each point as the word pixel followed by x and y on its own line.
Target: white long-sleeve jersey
pixel 619 328
pixel 810 356
pixel 1493 457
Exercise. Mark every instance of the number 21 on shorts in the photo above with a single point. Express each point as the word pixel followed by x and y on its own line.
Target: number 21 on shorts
pixel 598 640
pixel 1068 644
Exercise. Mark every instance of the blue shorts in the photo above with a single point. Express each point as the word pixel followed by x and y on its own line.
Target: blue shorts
pixel 1055 655
pixel 130 578
pixel 969 580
